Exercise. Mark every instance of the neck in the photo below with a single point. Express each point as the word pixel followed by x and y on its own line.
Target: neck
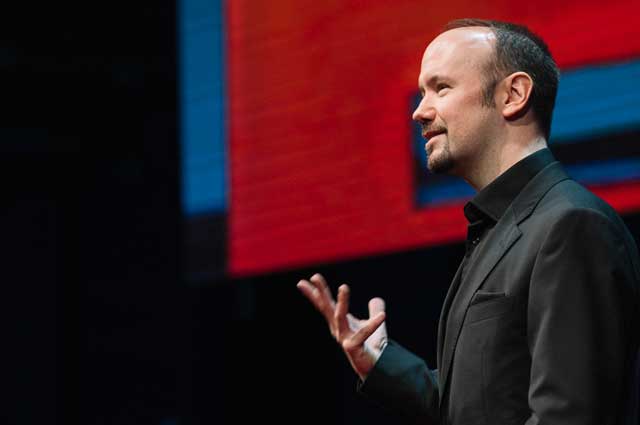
pixel 500 157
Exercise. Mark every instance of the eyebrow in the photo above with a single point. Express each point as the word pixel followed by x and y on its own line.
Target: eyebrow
pixel 432 80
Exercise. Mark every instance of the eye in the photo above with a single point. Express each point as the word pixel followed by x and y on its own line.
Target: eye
pixel 441 87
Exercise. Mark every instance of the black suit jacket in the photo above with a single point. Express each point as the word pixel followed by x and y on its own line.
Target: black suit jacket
pixel 545 329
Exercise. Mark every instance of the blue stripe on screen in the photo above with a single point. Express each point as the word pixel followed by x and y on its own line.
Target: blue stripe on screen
pixel 202 105
pixel 592 173
pixel 596 100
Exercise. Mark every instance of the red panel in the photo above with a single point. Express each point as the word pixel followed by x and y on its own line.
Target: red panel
pixel 319 131
pixel 624 197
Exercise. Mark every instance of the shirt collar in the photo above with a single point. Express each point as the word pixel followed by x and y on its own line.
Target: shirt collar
pixel 492 201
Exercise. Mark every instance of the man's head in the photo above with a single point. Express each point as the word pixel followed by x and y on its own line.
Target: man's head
pixel 476 77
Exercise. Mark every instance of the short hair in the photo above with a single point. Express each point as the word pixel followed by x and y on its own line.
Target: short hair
pixel 519 49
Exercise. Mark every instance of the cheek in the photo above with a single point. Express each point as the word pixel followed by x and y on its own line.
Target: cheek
pixel 460 112
pixel 454 107
pixel 463 129
pixel 468 114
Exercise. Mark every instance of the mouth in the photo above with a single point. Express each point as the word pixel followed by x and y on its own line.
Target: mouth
pixel 431 134
pixel 429 137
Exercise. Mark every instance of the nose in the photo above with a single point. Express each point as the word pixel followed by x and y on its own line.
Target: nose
pixel 425 112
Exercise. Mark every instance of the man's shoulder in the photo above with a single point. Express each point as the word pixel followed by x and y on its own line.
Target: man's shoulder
pixel 569 198
pixel 569 207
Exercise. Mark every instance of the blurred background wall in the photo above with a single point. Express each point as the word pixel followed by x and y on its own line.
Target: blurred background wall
pixel 173 169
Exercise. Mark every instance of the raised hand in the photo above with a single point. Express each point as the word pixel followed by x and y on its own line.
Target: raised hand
pixel 361 340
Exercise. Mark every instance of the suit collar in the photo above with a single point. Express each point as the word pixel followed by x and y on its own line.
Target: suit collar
pixel 526 202
pixel 497 196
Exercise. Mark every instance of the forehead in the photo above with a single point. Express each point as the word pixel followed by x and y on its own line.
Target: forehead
pixel 457 51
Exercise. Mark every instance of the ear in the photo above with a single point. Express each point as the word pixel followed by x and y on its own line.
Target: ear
pixel 515 93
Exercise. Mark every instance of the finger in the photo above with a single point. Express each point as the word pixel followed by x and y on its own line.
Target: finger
pixel 376 305
pixel 321 284
pixel 370 326
pixel 308 290
pixel 316 298
pixel 379 336
pixel 340 316
pixel 324 293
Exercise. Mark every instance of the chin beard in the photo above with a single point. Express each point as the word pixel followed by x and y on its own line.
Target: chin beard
pixel 442 163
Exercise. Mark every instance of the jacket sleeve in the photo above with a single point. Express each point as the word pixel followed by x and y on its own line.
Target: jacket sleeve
pixel 580 321
pixel 402 383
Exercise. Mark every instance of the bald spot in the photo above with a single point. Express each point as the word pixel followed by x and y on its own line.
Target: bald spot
pixel 458 49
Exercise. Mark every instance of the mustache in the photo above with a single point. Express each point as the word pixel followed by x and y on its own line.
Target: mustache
pixel 432 128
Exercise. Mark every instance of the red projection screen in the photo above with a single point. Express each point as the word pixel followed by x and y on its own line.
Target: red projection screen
pixel 320 95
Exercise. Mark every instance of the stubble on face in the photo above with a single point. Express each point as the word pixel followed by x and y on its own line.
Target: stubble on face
pixel 438 160
pixel 442 162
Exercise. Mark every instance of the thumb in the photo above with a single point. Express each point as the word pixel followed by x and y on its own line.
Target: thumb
pixel 376 305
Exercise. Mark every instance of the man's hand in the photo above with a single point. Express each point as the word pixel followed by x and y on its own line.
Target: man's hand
pixel 361 340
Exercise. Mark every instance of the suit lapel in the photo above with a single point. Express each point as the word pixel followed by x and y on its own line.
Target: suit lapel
pixel 503 236
pixel 455 284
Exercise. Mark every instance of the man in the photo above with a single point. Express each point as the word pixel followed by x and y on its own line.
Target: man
pixel 541 322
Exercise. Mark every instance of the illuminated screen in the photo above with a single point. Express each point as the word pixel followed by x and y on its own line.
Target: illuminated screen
pixel 297 133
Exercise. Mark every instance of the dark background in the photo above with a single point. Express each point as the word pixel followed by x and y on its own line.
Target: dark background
pixel 103 327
